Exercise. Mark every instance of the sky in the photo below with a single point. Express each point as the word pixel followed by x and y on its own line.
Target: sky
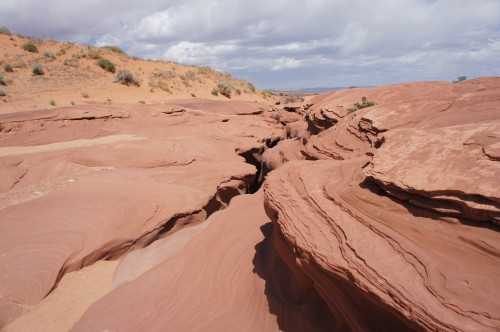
pixel 284 44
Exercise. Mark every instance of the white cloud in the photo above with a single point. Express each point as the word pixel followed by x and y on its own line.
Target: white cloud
pixel 280 42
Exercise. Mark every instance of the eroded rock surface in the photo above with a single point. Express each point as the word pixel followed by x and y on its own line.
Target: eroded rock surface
pixel 88 183
pixel 372 219
pixel 396 227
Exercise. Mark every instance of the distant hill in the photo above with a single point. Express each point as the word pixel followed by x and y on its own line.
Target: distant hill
pixel 317 89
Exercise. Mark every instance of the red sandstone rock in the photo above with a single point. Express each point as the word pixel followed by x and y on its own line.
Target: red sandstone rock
pixel 425 258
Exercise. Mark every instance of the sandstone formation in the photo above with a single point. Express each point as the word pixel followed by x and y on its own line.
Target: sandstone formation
pixel 95 182
pixel 151 216
pixel 396 228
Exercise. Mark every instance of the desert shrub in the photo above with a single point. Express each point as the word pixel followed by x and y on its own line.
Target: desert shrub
pixel 460 79
pixel 290 99
pixel 85 95
pixel 206 70
pixel 251 86
pixel 5 31
pixel 364 104
pixel 8 68
pixel 30 47
pixel 224 89
pixel 2 81
pixel 190 75
pixel 215 92
pixel 115 49
pixel 106 65
pixel 126 77
pixel 164 74
pixel 164 86
pixel 238 91
pixel 50 55
pixel 72 62
pixel 38 70
pixel 2 93
pixel 93 53
pixel 53 103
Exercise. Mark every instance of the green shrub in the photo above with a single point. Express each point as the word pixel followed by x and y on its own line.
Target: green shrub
pixel 8 68
pixel 364 104
pixel 30 47
pixel 38 70
pixel 115 49
pixel 107 65
pixel 5 31
pixel 125 77
pixel 224 89
pixel 2 93
pixel 215 92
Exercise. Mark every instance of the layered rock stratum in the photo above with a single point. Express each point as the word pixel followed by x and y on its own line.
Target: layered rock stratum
pixel 128 217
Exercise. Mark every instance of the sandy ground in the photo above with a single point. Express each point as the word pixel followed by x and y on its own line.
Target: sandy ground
pixel 66 304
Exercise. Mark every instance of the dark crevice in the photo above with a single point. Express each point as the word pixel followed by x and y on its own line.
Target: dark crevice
pixel 253 157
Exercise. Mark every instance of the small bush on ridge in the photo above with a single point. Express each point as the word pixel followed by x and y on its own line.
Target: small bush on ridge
pixel 115 49
pixel 107 65
pixel 8 68
pixel 30 47
pixel 38 70
pixel 5 31
pixel 364 104
pixel 125 77
pixel 224 89
pixel 215 92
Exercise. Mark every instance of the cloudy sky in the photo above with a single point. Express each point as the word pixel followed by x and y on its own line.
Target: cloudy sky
pixel 284 43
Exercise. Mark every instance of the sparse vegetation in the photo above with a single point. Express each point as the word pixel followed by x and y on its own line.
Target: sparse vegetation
pixel 142 102
pixel 72 62
pixel 357 106
pixel 460 79
pixel 251 86
pixel 2 93
pixel 2 81
pixel 224 89
pixel 85 95
pixel 50 55
pixel 38 70
pixel 164 74
pixel 30 47
pixel 215 92
pixel 106 65
pixel 72 103
pixel 290 99
pixel 115 49
pixel 8 68
pixel 5 31
pixel 53 103
pixel 190 75
pixel 93 52
pixel 126 77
